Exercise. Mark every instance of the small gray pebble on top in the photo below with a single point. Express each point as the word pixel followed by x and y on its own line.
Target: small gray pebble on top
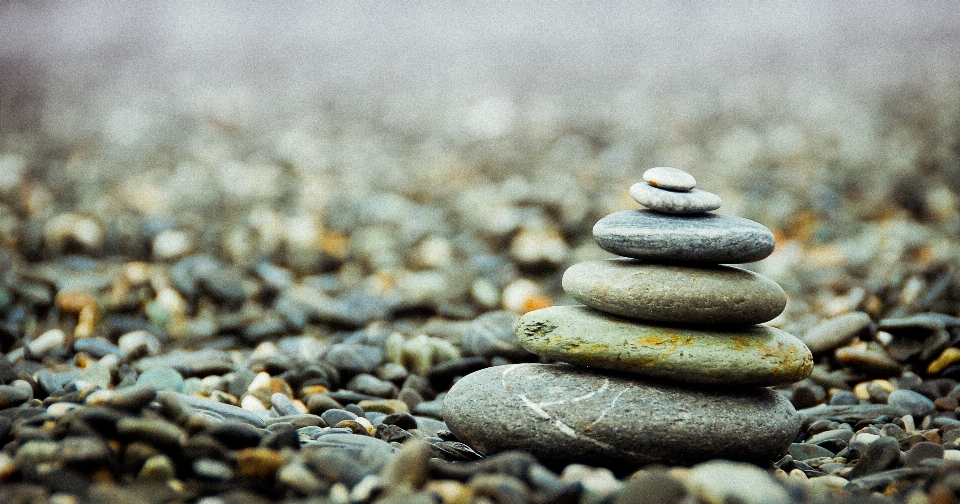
pixel 674 202
pixel 668 178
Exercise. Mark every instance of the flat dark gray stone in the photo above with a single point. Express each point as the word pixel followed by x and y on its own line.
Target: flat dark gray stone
pixel 563 414
pixel 706 295
pixel 674 202
pixel 704 238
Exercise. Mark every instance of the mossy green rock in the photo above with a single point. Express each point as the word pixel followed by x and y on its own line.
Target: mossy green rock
pixel 709 295
pixel 755 355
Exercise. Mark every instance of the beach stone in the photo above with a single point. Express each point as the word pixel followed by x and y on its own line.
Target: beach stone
pixel 921 451
pixel 672 179
pixel 725 481
pixel 755 355
pixel 657 237
pixel 709 295
pixel 804 451
pixel 912 402
pixel 161 378
pixel 693 201
pixel 836 331
pixel 11 396
pixel 564 414
pixel 883 453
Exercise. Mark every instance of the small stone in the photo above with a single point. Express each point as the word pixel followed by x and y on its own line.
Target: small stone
pixel 709 238
pixel 212 470
pixel 694 201
pixel 283 405
pixel 672 179
pixel 712 295
pixel 755 355
pixel 47 342
pixel 725 481
pixel 226 410
pixel 912 402
pixel 371 385
pixel 11 396
pixel 805 451
pixel 844 398
pixel 132 398
pixel 335 416
pixel 491 335
pixel 158 468
pixel 385 406
pixel 836 331
pixel 868 359
pixel 258 463
pixel 883 453
pixel 565 414
pixel 161 378
pixel 132 343
pixel 949 356
pixel 923 451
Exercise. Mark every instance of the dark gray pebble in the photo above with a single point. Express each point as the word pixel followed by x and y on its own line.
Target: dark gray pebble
pixel 844 398
pixel 84 452
pixel 848 413
pixel 923 451
pixel 155 431
pixel 298 420
pixel 654 486
pixel 335 416
pixel 371 452
pixel 11 396
pixel 912 402
pixel 235 434
pixel 318 403
pixel 499 488
pixel 400 419
pixel 344 396
pixel 132 398
pixel 709 238
pixel 371 385
pixel 883 453
pixel 805 451
pixel 198 363
pixel 432 408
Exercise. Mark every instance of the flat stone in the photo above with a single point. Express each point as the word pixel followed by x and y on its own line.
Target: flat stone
pixel 755 355
pixel 708 238
pixel 693 201
pixel 834 332
pixel 709 295
pixel 883 453
pixel 563 414
pixel 672 179
pixel 725 481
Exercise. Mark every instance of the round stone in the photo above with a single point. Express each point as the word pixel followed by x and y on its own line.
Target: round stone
pixel 564 414
pixel 709 238
pixel 837 331
pixel 711 295
pixel 915 403
pixel 755 355
pixel 674 202
pixel 672 179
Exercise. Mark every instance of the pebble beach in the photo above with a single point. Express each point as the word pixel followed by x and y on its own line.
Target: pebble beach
pixel 299 258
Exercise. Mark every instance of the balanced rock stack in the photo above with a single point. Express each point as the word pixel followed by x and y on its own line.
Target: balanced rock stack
pixel 665 363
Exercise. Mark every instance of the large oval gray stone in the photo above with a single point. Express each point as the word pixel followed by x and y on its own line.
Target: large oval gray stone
pixel 755 355
pixel 709 295
pixel 706 238
pixel 563 414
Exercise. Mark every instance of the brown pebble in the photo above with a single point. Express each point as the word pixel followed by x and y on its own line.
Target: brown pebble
pixel 356 427
pixel 258 463
pixel 946 404
pixel 862 358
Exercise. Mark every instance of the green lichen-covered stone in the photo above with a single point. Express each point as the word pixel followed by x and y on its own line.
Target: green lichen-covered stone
pixel 755 355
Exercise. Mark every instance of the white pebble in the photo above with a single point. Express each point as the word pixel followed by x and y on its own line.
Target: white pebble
pixel 47 342
pixel 951 455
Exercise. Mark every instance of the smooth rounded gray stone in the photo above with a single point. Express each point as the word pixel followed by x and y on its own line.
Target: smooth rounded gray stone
pixel 754 355
pixel 834 332
pixel 564 414
pixel 804 451
pixel 693 201
pixel 708 238
pixel 725 481
pixel 672 179
pixel 227 410
pixel 912 402
pixel 708 295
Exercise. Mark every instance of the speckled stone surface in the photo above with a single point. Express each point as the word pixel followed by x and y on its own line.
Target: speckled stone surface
pixel 673 179
pixel 563 414
pixel 708 238
pixel 674 202
pixel 708 295
pixel 754 355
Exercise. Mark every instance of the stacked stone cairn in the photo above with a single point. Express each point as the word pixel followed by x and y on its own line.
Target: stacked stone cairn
pixel 666 361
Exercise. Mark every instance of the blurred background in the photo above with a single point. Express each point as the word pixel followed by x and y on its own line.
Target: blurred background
pixel 326 136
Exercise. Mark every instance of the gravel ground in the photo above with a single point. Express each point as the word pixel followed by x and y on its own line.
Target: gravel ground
pixel 324 217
